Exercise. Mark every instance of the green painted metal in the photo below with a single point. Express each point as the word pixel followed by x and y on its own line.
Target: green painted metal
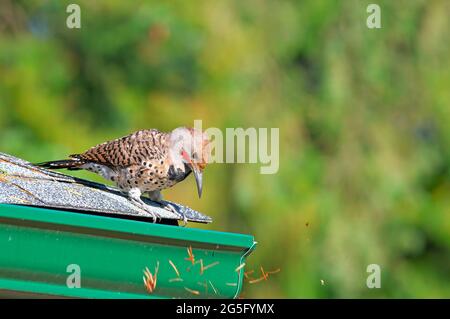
pixel 37 245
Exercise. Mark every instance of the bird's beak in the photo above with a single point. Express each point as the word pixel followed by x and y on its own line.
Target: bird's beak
pixel 198 179
pixel 198 173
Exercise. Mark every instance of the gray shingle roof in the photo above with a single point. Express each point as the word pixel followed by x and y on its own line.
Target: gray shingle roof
pixel 25 184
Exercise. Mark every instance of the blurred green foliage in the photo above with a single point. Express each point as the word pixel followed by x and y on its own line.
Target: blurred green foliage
pixel 363 115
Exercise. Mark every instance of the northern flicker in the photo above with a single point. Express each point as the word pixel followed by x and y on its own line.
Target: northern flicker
pixel 145 162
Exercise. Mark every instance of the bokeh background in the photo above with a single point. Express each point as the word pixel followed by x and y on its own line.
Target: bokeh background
pixel 363 115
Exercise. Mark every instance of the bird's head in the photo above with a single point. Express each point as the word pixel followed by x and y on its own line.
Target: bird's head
pixel 191 147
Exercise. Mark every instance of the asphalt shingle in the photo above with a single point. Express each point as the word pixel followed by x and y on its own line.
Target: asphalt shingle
pixel 25 184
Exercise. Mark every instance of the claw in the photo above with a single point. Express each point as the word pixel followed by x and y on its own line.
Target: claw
pixel 135 197
pixel 144 208
pixel 172 209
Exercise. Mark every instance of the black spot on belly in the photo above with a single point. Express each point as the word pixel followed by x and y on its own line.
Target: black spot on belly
pixel 178 175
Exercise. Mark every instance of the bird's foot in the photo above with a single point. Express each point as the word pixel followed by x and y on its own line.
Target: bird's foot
pixel 170 208
pixel 135 198
pixel 140 204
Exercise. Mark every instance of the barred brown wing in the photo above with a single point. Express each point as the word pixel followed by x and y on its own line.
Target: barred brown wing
pixel 133 149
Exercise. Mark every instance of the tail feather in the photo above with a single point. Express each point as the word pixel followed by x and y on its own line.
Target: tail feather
pixel 71 164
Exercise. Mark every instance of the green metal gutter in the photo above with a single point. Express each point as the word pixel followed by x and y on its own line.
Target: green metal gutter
pixel 37 245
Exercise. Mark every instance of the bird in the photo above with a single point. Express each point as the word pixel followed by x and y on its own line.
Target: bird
pixel 145 162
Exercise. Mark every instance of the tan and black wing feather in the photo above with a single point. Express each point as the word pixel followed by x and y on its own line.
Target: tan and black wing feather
pixel 129 150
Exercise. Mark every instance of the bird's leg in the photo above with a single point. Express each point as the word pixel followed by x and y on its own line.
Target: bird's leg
pixel 134 195
pixel 156 196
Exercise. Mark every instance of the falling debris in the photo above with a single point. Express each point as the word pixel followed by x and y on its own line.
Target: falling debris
pixel 191 257
pixel 174 268
pixel 239 267
pixel 273 271
pixel 150 279
pixel 247 273
pixel 264 275
pixel 202 269
pixel 201 265
pixel 254 281
pixel 175 279
pixel 214 288
pixel 194 292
